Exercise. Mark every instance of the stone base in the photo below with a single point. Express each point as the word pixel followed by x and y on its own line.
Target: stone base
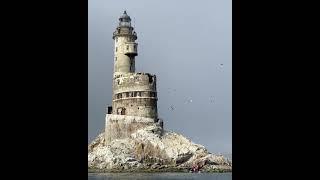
pixel 122 126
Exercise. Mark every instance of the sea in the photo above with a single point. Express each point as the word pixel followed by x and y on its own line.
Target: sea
pixel 159 176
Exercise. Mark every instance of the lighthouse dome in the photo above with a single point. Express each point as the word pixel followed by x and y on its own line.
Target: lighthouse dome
pixel 125 17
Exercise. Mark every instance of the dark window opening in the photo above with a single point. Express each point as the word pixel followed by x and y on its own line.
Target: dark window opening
pixel 150 78
pixel 109 109
pixel 121 111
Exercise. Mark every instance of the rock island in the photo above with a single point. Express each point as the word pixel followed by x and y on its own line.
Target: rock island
pixel 134 139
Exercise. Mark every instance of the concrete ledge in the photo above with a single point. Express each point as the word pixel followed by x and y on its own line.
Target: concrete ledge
pixel 128 119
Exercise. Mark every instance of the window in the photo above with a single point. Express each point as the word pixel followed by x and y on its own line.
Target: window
pixel 116 39
pixel 135 47
pixel 115 58
pixel 116 49
pixel 127 47
pixel 131 64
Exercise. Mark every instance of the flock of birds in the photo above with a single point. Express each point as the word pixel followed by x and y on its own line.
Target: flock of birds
pixel 189 99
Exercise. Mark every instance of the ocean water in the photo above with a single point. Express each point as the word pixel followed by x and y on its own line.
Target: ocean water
pixel 159 176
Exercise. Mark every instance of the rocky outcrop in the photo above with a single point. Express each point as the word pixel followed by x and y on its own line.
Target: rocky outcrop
pixel 152 148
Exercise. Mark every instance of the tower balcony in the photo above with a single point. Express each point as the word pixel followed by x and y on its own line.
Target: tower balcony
pixel 125 32
pixel 131 49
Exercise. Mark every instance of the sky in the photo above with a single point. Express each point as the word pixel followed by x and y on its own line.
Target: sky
pixel 188 46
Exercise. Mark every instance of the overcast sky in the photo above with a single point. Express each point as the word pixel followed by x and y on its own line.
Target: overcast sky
pixel 187 44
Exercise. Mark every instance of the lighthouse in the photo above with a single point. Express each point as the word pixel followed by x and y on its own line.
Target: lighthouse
pixel 125 47
pixel 134 94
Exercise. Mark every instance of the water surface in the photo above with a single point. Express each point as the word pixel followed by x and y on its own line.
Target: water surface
pixel 159 176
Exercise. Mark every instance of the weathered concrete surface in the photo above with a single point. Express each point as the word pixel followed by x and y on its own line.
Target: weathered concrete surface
pixel 136 94
pixel 147 148
pixel 122 126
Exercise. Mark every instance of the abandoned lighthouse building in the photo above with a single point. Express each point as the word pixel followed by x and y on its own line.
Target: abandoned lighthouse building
pixel 134 95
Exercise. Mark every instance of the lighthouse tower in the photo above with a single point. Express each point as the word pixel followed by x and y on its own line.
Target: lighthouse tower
pixel 134 94
pixel 125 47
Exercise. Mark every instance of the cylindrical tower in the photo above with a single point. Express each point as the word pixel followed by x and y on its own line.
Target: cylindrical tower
pixel 125 47
pixel 134 94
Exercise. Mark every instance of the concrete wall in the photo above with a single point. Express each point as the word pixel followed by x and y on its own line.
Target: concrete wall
pixel 142 107
pixel 134 82
pixel 121 126
pixel 135 94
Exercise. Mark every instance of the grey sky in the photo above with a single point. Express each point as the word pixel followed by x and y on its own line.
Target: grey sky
pixel 187 44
